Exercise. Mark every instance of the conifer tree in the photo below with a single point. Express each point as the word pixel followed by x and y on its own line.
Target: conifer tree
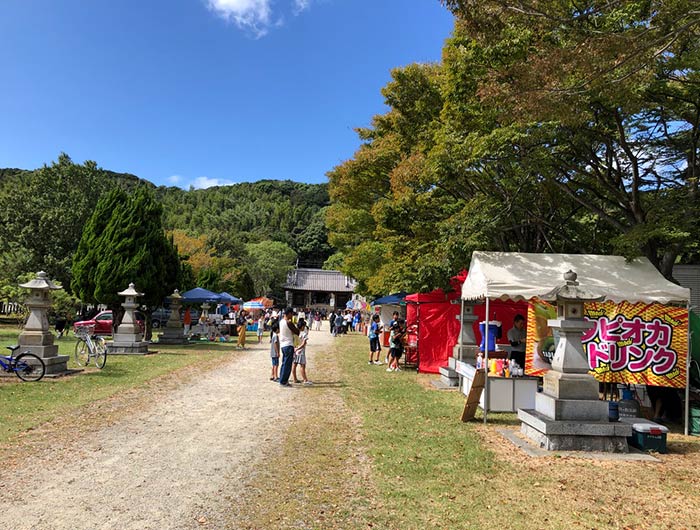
pixel 122 243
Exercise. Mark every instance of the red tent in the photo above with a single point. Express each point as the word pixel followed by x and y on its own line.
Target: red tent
pixel 434 317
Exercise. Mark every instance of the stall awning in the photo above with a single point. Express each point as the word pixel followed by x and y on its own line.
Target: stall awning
pixel 392 299
pixel 522 276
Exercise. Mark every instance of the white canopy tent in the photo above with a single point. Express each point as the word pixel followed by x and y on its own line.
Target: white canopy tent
pixel 523 276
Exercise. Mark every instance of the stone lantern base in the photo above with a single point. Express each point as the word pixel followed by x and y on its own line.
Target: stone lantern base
pixel 172 336
pixel 568 416
pixel 127 344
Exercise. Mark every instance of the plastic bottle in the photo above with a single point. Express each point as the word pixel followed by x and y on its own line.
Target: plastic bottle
pixel 479 361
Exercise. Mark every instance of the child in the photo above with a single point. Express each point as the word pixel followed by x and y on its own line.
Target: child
pixel 374 346
pixel 275 351
pixel 396 345
pixel 300 354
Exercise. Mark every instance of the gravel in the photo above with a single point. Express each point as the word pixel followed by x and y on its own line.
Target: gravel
pixel 164 465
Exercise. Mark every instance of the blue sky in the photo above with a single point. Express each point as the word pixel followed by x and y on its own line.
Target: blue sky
pixel 203 92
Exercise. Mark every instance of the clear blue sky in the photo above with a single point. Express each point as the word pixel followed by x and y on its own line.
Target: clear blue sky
pixel 202 92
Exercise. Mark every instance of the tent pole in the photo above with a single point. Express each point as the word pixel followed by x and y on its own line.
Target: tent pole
pixel 486 359
pixel 461 330
pixel 687 377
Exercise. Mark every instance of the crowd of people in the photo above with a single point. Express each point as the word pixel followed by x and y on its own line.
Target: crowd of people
pixel 289 335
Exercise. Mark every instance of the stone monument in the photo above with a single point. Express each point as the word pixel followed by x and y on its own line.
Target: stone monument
pixel 568 413
pixel 173 333
pixel 36 336
pixel 467 348
pixel 128 338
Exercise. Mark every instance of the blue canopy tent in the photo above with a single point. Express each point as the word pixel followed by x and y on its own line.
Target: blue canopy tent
pixel 392 299
pixel 198 295
pixel 228 298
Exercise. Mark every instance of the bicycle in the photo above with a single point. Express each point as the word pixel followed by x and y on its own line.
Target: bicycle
pixel 26 366
pixel 89 346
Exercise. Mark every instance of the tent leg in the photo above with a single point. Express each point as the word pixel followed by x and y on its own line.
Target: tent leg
pixel 687 378
pixel 486 360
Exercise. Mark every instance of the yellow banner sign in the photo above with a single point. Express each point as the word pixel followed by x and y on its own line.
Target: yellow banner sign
pixel 630 343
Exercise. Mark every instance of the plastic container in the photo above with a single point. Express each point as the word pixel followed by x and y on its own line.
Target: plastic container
pixel 648 437
pixel 613 411
pixel 694 420
pixel 628 406
pixel 494 332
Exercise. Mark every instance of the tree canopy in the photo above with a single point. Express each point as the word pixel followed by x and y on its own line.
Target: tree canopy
pixel 124 242
pixel 548 126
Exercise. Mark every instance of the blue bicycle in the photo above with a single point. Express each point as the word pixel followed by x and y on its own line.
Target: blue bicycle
pixel 26 366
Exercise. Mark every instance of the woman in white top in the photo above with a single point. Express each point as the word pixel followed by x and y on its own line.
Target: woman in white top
pixel 300 354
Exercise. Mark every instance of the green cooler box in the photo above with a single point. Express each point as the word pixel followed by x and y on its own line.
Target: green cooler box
pixel 647 435
pixel 694 420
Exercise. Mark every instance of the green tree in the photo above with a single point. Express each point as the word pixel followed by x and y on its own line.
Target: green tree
pixel 268 263
pixel 124 242
pixel 43 213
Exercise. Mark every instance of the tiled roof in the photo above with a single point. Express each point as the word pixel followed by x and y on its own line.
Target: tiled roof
pixel 319 280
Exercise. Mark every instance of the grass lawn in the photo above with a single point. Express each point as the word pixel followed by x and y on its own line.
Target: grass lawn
pixel 433 470
pixel 27 405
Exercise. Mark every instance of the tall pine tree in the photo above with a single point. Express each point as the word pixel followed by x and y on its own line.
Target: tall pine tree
pixel 124 242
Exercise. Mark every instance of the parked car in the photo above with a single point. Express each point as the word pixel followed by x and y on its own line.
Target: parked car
pixel 159 317
pixel 103 322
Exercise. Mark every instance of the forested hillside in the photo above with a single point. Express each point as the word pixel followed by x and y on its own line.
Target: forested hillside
pixel 241 238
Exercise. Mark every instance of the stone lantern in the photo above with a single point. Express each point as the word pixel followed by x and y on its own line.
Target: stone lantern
pixel 173 332
pixel 467 348
pixel 36 336
pixel 128 338
pixel 568 413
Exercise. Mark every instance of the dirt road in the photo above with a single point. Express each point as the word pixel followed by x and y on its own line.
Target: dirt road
pixel 165 466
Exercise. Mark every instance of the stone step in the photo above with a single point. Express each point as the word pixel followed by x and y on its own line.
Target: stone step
pixel 448 372
pixel 598 436
pixel 571 409
pixel 439 384
pixel 450 381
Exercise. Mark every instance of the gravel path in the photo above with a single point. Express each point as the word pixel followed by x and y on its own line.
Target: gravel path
pixel 164 467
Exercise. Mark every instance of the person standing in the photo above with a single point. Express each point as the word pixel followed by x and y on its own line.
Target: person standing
pixel 374 346
pixel 396 345
pixel 275 351
pixel 187 321
pixel 242 323
pixel 331 321
pixel 300 354
pixel 287 331
pixel 261 326
pixel 517 336
pixel 339 321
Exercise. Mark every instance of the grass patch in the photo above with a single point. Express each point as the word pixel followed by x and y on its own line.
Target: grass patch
pixel 434 471
pixel 27 405
pixel 318 476
pixel 430 469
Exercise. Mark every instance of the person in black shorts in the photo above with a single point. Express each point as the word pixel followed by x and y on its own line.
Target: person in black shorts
pixel 398 331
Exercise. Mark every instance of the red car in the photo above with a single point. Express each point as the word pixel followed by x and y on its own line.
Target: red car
pixel 103 322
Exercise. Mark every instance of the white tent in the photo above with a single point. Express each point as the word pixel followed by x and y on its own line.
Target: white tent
pixel 522 276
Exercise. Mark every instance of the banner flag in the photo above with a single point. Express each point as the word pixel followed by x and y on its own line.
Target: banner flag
pixel 644 344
